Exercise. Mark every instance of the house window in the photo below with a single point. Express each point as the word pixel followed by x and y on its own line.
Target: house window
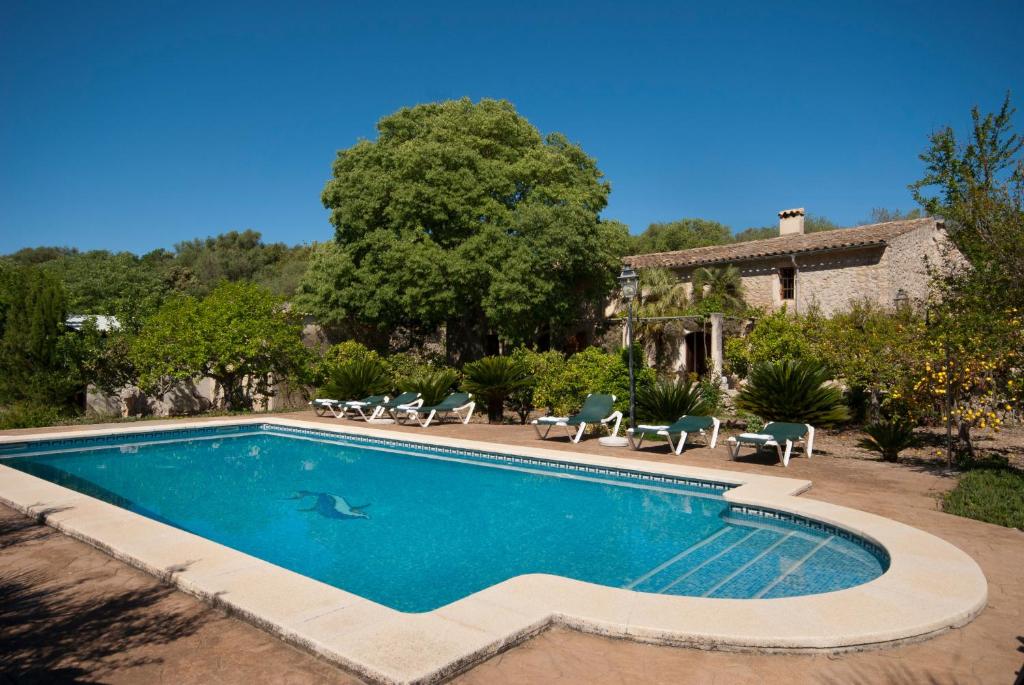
pixel 787 283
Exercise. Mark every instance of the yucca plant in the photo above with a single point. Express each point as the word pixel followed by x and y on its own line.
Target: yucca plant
pixel 889 438
pixel 433 386
pixel 665 400
pixel 356 379
pixel 793 390
pixel 493 379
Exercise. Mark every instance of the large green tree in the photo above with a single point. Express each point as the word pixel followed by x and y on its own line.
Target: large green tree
pixel 240 335
pixel 462 213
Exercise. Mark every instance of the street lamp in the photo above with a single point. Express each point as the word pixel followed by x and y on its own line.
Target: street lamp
pixel 901 299
pixel 628 280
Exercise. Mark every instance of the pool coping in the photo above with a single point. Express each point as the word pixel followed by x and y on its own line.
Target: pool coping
pixel 931 586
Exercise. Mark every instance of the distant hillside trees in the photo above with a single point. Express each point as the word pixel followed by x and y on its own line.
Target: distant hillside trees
pixel 689 233
pixel 130 286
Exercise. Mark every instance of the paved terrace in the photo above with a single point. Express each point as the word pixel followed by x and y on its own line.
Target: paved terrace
pixel 68 611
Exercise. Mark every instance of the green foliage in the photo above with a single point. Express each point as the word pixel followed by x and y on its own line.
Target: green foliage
pixel 681 235
pixel 719 287
pixel 664 401
pixel 775 337
pixel 994 495
pixel 342 354
pixel 793 391
pixel 433 385
pixel 756 233
pixel 492 380
pixel 752 423
pixel 710 386
pixel 975 340
pixel 239 335
pixel 587 372
pixel 539 365
pixel 813 223
pixel 238 256
pixel 889 438
pixel 132 287
pixel 28 415
pixel 103 358
pixel 35 348
pixel 463 213
pixel 980 191
pixel 661 295
pixel 881 215
pixel 356 379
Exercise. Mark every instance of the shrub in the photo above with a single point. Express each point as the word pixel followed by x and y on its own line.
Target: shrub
pixel 434 385
pixel 493 379
pixel 539 365
pixel 585 372
pixel 665 401
pixel 403 367
pixel 794 391
pixel 775 337
pixel 889 438
pixel 28 415
pixel 357 379
pixel 339 355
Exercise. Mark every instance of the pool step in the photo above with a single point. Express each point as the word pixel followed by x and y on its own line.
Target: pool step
pixel 689 558
pixel 748 562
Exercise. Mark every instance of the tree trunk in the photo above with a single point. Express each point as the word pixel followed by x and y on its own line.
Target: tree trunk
pixel 465 338
pixel 496 411
pixel 963 436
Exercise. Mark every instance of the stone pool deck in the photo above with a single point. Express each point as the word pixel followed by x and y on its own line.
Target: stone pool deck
pixel 181 649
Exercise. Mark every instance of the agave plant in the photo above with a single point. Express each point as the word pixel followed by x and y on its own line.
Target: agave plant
pixel 793 390
pixel 494 379
pixel 355 379
pixel 667 400
pixel 433 386
pixel 889 438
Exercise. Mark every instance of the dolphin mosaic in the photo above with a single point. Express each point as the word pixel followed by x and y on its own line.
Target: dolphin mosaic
pixel 332 506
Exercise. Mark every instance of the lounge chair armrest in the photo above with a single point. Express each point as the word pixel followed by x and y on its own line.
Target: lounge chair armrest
pixel 617 417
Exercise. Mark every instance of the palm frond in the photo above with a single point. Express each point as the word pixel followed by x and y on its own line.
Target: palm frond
pixel 793 390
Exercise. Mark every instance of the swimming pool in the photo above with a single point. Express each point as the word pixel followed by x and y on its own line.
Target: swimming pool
pixel 416 527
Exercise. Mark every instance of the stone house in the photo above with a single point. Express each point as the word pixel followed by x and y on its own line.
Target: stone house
pixel 885 263
pixel 829 269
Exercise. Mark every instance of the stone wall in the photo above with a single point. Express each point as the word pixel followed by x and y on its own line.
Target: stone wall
pixel 833 280
pixel 184 399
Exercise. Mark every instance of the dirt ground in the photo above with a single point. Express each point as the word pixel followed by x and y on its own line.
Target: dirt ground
pixel 69 613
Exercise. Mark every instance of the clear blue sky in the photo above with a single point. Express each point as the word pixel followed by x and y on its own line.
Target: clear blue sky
pixel 138 124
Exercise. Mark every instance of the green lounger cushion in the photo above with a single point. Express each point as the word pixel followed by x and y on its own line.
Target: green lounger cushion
pixel 371 401
pixel 453 401
pixel 685 424
pixel 780 432
pixel 404 398
pixel 595 409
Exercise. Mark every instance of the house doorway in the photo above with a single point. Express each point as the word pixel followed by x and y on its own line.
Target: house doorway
pixel 697 346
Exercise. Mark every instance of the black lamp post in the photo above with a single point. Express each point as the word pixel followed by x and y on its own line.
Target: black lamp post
pixel 628 281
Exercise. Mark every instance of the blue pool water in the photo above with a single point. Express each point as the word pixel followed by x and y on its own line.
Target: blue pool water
pixel 414 527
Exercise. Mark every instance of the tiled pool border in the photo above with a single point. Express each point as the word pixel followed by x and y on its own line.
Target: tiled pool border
pixel 931 586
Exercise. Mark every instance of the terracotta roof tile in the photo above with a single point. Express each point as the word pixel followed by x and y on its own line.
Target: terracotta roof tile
pixel 860 236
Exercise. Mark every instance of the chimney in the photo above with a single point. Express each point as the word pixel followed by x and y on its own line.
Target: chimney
pixel 791 221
